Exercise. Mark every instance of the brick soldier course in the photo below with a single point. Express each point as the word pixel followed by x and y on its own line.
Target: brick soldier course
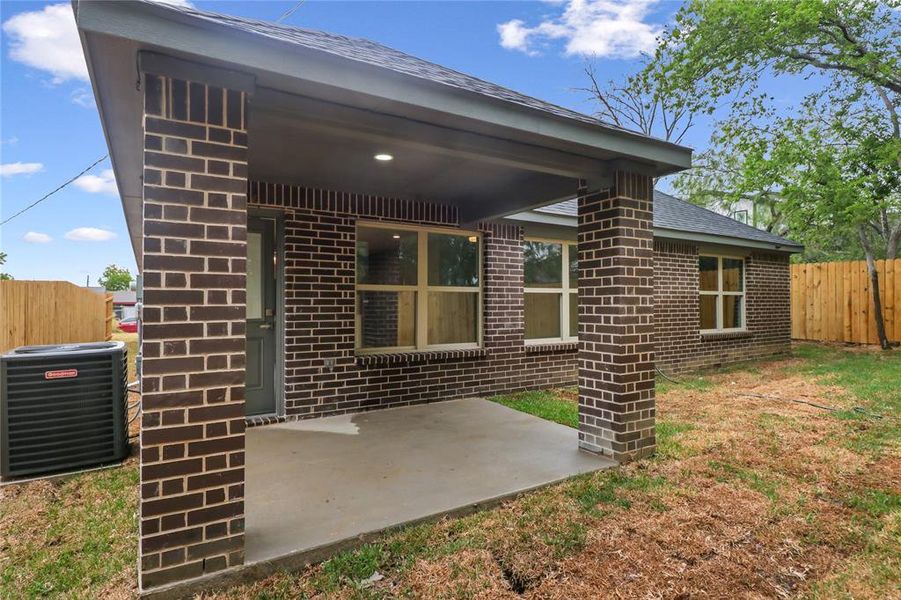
pixel 192 428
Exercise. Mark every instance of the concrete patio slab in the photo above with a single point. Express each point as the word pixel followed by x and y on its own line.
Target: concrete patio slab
pixel 319 484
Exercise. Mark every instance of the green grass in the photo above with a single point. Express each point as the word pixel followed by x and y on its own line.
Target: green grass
pixel 86 536
pixel 550 406
pixel 876 503
pixel 544 404
pixel 756 481
pixel 698 383
pixel 669 433
pixel 872 380
pixel 607 488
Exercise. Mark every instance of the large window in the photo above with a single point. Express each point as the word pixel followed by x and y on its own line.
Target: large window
pixel 551 286
pixel 722 288
pixel 417 289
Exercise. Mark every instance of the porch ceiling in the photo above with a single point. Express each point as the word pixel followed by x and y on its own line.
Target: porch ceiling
pixel 318 115
pixel 301 140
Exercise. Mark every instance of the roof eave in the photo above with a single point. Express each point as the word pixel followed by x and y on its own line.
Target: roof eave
pixel 158 26
pixel 667 233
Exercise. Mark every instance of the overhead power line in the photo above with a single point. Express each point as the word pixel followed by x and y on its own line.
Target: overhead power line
pixel 36 202
pixel 290 11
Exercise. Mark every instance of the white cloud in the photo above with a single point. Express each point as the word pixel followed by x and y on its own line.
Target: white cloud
pixel 10 141
pixel 20 168
pixel 34 237
pixel 515 36
pixel 176 3
pixel 105 183
pixel 89 234
pixel 83 97
pixel 598 28
pixel 47 40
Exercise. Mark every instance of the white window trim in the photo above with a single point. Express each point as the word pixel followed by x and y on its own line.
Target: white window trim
pixel 422 289
pixel 719 293
pixel 565 292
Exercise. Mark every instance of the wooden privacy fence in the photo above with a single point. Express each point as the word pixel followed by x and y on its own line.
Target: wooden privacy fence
pixel 833 302
pixel 52 312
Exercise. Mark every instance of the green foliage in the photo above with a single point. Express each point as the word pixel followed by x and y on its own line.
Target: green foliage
pixel 721 48
pixel 115 279
pixel 4 276
pixel 827 171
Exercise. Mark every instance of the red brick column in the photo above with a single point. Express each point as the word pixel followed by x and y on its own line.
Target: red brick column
pixel 192 429
pixel 616 328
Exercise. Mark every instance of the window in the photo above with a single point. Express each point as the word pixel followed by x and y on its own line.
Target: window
pixel 722 288
pixel 417 289
pixel 551 286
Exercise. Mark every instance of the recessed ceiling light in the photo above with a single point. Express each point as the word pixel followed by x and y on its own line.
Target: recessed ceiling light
pixel 396 236
pixel 473 239
pixel 383 157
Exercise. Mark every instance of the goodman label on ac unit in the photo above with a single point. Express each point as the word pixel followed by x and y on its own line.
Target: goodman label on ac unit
pixel 61 374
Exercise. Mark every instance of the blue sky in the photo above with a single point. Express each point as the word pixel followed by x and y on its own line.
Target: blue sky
pixel 50 130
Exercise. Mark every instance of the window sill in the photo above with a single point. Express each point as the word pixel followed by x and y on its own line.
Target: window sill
pixel 417 356
pixel 547 347
pixel 725 335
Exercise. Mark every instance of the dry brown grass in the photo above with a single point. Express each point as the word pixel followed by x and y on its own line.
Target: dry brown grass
pixel 755 498
pixel 749 498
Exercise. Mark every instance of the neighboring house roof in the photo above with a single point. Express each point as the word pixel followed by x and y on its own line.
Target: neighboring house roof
pixel 671 213
pixel 373 53
pixel 125 297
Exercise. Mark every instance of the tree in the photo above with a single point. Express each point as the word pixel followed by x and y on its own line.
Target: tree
pixel 4 276
pixel 639 105
pixel 115 279
pixel 834 161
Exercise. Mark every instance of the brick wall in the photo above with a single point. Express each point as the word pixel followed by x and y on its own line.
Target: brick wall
pixel 680 346
pixel 320 252
pixel 320 243
pixel 192 428
pixel 616 319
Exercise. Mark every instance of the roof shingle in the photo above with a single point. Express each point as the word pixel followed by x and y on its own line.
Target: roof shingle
pixel 672 213
pixel 376 54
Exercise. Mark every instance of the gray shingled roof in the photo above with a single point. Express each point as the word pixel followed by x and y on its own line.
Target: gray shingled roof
pixel 375 54
pixel 672 213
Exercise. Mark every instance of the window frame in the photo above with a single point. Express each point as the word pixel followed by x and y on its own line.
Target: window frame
pixel 565 290
pixel 421 289
pixel 719 293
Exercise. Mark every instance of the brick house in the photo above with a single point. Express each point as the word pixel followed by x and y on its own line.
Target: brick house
pixel 327 226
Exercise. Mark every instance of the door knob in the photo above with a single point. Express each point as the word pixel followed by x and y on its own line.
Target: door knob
pixel 266 326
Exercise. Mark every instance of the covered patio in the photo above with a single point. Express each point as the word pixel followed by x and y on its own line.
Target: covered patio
pixel 260 166
pixel 314 487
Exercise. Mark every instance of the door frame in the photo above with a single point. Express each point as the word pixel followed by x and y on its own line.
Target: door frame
pixel 280 305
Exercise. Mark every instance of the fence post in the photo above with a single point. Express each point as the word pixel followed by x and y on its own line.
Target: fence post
pixel 109 316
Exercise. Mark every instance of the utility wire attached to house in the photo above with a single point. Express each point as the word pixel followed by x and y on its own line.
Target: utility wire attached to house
pixel 36 202
pixel 290 11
